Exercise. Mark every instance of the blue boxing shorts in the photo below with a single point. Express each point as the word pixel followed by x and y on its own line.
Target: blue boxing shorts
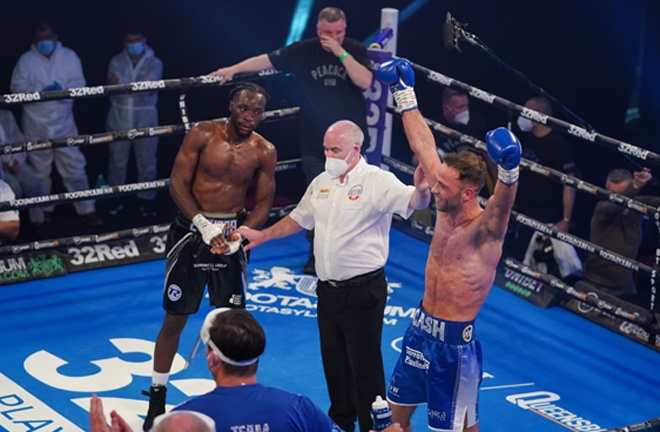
pixel 440 365
pixel 191 267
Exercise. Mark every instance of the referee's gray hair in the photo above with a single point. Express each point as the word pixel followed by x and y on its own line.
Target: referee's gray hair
pixel 351 131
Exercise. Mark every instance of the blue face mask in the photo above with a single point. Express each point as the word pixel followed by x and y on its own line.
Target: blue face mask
pixel 135 49
pixel 45 47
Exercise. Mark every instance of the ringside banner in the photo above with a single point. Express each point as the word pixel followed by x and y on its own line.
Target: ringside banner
pixel 59 261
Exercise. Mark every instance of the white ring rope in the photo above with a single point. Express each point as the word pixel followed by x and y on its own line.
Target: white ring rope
pixel 571 129
pixel 132 87
pixel 133 134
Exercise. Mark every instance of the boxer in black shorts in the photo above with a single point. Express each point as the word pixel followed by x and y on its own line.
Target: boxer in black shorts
pixel 191 266
pixel 216 164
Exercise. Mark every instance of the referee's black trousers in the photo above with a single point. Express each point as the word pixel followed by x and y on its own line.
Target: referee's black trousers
pixel 350 321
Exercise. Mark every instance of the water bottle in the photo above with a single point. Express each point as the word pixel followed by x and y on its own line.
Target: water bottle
pixel 381 414
pixel 101 183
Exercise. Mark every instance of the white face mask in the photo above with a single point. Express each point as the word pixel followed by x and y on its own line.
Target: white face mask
pixel 462 117
pixel 525 124
pixel 335 166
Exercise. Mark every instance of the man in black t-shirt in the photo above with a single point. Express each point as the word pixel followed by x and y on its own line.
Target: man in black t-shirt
pixel 332 72
pixel 456 114
pixel 538 196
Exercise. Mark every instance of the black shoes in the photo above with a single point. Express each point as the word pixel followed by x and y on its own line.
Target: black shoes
pixel 156 405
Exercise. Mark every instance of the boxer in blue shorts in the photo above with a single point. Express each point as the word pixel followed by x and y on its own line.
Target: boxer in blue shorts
pixel 216 165
pixel 440 363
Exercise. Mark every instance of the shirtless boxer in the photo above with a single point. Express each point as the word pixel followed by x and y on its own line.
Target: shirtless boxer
pixel 215 165
pixel 441 360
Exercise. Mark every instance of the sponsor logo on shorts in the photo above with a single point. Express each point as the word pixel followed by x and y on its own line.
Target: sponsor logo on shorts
pixel 416 359
pixel 467 333
pixel 236 299
pixel 174 292
pixel 436 415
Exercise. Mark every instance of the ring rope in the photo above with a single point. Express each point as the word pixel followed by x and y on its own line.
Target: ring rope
pixel 551 173
pixel 569 128
pixel 646 321
pixel 132 134
pixel 109 191
pixel 132 87
pixel 645 426
pixel 41 245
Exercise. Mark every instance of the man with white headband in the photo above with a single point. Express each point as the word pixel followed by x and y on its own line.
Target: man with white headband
pixel 235 341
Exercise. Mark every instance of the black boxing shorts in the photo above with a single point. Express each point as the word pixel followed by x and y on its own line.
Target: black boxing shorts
pixel 191 267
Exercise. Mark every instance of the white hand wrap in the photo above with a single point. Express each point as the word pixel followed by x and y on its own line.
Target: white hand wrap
pixel 508 176
pixel 405 99
pixel 207 229
pixel 234 245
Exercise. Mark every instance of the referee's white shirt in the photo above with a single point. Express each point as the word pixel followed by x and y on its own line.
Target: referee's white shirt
pixel 352 220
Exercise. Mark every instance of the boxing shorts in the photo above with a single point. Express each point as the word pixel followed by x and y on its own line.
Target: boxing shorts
pixel 191 267
pixel 440 365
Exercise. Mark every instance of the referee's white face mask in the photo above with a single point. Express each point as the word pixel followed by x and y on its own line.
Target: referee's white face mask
pixel 335 166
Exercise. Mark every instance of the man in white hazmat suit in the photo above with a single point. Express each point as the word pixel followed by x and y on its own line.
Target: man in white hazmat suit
pixel 136 62
pixel 49 66
pixel 18 174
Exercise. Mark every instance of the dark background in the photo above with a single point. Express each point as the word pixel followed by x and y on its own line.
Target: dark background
pixel 584 53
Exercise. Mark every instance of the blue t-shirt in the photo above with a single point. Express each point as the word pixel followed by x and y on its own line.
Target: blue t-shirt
pixel 256 408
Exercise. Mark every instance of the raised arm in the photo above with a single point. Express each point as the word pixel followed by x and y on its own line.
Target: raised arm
pixel 399 75
pixel 503 149
pixel 265 186
pixel 252 64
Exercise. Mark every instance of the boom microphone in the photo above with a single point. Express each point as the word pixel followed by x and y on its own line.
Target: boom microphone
pixel 448 33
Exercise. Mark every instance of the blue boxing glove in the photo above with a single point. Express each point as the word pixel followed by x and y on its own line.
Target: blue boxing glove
pixel 504 149
pixel 399 75
pixel 53 87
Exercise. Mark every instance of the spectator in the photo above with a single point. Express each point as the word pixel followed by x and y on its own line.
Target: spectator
pixel 539 197
pixel 456 114
pixel 136 62
pixel 180 421
pixel 618 229
pixel 235 341
pixel 351 207
pixel 332 72
pixel 49 66
pixel 17 172
pixel 9 220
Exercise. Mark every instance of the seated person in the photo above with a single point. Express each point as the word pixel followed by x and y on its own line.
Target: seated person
pixel 618 229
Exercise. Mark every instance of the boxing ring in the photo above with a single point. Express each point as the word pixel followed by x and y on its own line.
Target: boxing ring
pixel 93 331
